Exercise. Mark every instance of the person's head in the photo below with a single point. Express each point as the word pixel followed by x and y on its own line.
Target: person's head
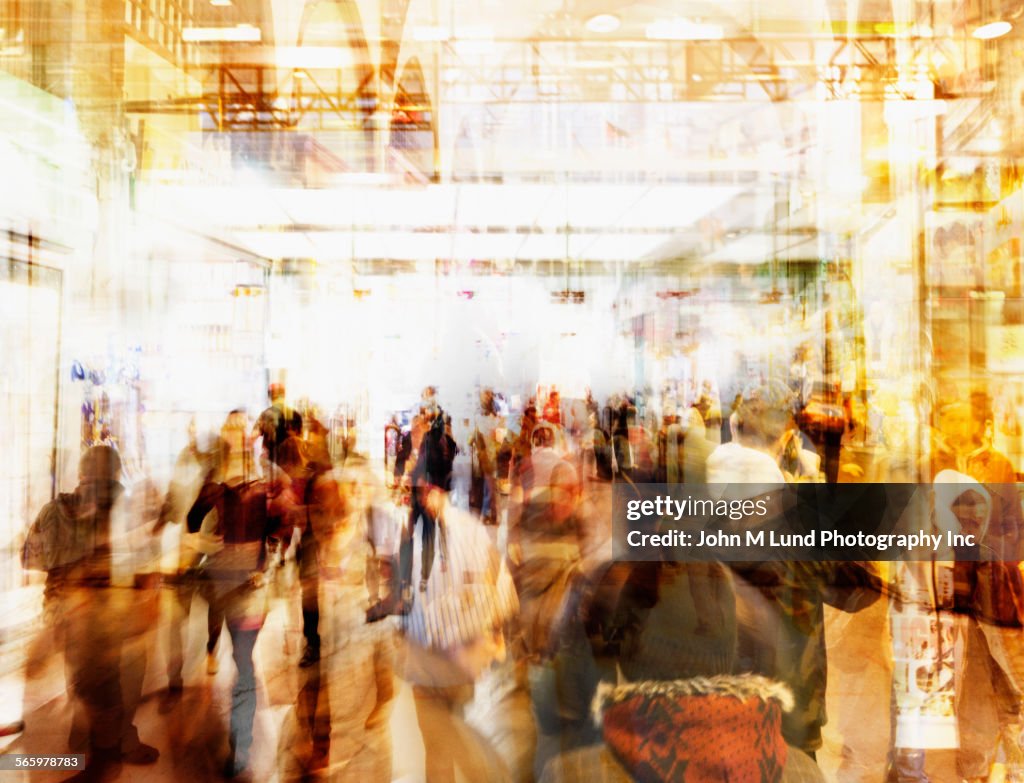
pixel 276 392
pixel 765 416
pixel 663 621
pixel 99 474
pixel 234 444
pixel 962 504
pixel 487 400
pixel 564 492
pixel 971 510
pixel 955 423
pixel 428 400
pixel 981 413
pixel 543 436
pixel 98 465
pixel 353 484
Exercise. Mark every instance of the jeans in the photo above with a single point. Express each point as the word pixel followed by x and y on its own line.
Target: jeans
pixel 243 694
pixel 405 551
pixel 487 509
pixel 185 587
pixel 309 584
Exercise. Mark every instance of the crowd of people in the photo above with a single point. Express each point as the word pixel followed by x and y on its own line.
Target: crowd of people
pixel 476 567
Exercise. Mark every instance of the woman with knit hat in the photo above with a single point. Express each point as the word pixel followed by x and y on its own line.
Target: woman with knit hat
pixel 673 710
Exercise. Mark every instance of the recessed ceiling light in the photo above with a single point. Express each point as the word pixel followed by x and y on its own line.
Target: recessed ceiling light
pixel 602 23
pixel 992 30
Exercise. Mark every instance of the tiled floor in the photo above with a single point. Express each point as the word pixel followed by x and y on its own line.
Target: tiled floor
pixel 192 734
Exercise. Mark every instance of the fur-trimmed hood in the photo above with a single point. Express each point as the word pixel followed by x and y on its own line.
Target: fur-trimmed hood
pixel 741 687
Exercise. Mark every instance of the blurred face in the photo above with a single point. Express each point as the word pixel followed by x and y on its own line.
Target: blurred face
pixel 971 511
pixel 563 494
pixel 543 438
pixel 955 424
pixel 234 433
pixel 100 469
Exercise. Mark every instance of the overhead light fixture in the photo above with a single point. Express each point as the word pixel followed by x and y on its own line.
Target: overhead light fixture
pixel 242 33
pixel 992 30
pixel 603 23
pixel 221 3
pixel 683 30
pixel 430 33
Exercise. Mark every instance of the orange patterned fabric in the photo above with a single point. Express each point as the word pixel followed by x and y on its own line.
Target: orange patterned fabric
pixel 709 738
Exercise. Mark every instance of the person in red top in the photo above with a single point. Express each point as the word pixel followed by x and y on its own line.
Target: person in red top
pixel 249 513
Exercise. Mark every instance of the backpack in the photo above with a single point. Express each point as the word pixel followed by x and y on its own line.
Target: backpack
pixel 437 455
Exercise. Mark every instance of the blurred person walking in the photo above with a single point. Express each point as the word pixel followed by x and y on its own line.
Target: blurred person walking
pixel 186 580
pixel 787 642
pixel 339 730
pixel 488 431
pixel 453 632
pixel 99 601
pixel 277 422
pixel 245 523
pixel 434 463
pixel 990 692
